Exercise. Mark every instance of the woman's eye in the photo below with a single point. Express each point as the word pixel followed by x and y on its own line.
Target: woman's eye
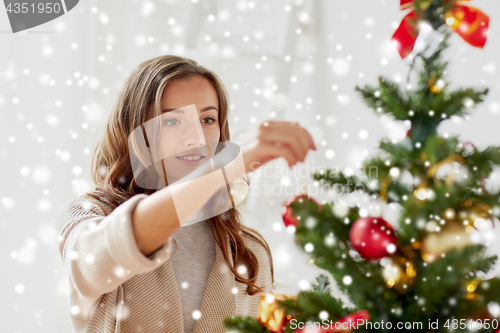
pixel 212 120
pixel 170 122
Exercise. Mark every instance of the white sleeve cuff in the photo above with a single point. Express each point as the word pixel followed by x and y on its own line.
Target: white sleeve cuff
pixel 122 245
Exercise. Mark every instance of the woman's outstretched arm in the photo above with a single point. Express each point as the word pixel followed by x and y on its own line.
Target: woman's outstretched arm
pixel 99 252
pixel 156 218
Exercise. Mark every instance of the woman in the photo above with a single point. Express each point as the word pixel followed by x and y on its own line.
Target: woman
pixel 116 242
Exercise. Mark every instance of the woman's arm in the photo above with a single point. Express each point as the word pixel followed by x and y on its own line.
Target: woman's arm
pixel 99 252
pixel 156 218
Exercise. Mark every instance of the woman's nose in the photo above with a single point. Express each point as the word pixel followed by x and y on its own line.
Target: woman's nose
pixel 194 136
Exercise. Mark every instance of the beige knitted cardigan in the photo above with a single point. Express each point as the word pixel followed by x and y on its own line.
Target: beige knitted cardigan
pixel 115 288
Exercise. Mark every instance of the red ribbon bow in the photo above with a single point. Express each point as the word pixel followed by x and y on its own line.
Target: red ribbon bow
pixel 469 22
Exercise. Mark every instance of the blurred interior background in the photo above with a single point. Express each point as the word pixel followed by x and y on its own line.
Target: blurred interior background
pixel 296 60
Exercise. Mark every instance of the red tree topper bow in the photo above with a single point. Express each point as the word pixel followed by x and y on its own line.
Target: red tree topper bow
pixel 469 22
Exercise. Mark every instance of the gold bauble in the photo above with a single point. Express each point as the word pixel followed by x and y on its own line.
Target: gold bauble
pixel 269 314
pixel 399 271
pixel 478 212
pixel 473 214
pixel 451 236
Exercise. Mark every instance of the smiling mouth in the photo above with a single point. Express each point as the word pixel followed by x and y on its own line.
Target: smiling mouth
pixel 191 158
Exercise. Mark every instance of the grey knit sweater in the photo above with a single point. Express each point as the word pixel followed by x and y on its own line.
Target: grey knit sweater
pixel 192 262
pixel 115 288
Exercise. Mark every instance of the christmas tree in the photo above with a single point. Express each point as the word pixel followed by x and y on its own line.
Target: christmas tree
pixel 427 272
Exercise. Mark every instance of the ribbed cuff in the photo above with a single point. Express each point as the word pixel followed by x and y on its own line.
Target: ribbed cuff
pixel 122 245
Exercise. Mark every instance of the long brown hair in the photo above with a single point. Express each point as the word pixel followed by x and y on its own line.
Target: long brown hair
pixel 111 170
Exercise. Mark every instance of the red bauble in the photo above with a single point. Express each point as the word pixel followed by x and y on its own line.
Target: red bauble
pixel 371 237
pixel 351 319
pixel 286 211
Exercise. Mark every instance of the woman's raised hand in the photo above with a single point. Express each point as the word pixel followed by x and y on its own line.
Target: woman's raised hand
pixel 273 139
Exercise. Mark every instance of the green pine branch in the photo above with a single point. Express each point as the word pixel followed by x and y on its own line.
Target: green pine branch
pixel 387 98
pixel 452 272
pixel 485 160
pixel 244 325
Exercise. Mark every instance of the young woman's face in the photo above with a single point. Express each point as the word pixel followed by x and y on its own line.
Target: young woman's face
pixel 191 124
